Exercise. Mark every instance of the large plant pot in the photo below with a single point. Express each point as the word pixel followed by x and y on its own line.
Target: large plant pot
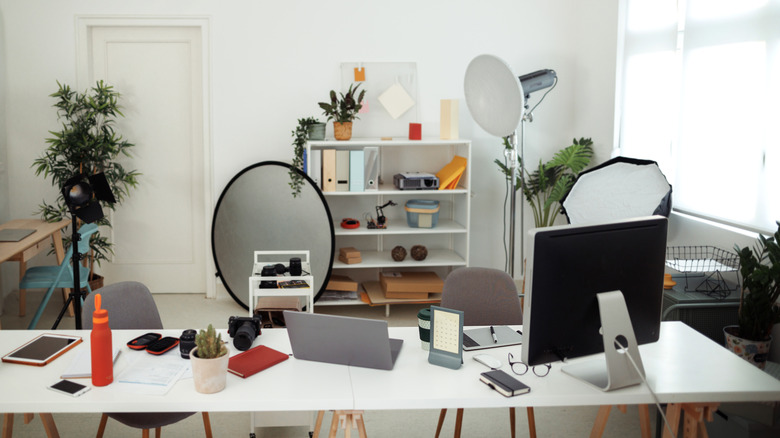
pixel 209 375
pixel 755 352
pixel 342 131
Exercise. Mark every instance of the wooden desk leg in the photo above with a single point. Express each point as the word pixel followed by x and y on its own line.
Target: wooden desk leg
pixel 512 422
pixel 644 420
pixel 442 414
pixel 49 426
pixel 458 423
pixel 361 426
pixel 673 418
pixel 8 425
pixel 334 424
pixel 531 422
pixel 318 424
pixel 601 421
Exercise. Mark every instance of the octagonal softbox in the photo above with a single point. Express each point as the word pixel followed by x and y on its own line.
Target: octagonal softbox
pixel 620 188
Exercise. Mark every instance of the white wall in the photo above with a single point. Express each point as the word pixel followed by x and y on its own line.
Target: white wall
pixel 273 61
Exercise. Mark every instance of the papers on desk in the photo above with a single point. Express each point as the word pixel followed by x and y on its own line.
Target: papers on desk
pixel 81 366
pixel 152 374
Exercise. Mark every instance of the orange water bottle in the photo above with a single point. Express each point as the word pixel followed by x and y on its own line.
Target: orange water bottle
pixel 102 350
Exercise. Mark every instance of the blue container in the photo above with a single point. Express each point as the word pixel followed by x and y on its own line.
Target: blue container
pixel 422 213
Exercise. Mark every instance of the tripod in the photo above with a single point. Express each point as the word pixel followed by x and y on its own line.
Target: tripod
pixel 76 294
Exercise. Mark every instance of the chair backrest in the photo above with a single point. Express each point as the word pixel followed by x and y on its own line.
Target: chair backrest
pixel 85 231
pixel 486 296
pixel 130 306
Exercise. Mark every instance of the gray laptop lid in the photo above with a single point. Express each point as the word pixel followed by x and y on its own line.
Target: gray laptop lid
pixel 341 340
pixel 14 234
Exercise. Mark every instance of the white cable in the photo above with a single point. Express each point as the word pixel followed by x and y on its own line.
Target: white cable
pixel 641 376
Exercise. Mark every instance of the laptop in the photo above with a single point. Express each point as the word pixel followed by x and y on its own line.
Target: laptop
pixel 481 338
pixel 14 234
pixel 341 340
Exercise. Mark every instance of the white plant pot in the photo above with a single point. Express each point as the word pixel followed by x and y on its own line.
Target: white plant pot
pixel 209 375
pixel 755 352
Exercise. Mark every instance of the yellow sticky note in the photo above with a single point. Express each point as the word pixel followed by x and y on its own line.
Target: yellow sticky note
pixel 360 74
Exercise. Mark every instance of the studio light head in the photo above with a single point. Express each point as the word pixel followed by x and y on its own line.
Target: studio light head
pixel 538 80
pixel 82 195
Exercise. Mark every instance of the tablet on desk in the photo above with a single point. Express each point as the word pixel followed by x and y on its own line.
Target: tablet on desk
pixel 43 349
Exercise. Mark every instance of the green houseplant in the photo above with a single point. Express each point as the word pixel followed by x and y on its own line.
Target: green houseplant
pixel 86 143
pixel 302 133
pixel 545 187
pixel 758 307
pixel 209 361
pixel 343 111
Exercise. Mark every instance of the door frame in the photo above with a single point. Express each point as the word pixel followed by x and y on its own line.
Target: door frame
pixel 85 23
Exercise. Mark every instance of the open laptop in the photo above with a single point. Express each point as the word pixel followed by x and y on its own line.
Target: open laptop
pixel 341 340
pixel 480 338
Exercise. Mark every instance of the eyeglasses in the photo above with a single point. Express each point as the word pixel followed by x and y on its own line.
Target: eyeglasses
pixel 521 368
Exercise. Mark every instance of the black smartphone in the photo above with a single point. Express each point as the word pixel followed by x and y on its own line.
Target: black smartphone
pixel 162 345
pixel 144 341
pixel 70 388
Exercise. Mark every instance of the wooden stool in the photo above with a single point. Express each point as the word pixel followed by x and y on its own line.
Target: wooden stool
pixel 346 420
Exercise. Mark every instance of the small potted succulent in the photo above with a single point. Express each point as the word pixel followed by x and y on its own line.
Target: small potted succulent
pixel 759 310
pixel 343 111
pixel 209 361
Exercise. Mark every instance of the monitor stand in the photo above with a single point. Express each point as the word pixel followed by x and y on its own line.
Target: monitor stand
pixel 615 369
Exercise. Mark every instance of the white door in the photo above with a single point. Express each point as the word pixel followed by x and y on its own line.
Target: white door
pixel 159 232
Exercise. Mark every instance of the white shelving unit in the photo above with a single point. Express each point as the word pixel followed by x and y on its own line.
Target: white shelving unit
pixel 447 243
pixel 262 258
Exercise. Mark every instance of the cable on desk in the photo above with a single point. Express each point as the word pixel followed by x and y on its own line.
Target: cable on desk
pixel 641 376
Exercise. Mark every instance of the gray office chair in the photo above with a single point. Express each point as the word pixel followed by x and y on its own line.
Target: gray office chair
pixel 130 306
pixel 486 297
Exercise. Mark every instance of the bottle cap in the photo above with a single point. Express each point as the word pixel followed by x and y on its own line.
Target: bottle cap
pixel 100 316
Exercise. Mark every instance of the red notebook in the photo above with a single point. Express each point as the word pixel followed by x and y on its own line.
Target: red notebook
pixel 255 360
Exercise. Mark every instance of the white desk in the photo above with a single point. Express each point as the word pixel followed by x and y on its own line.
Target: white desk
pixel 684 366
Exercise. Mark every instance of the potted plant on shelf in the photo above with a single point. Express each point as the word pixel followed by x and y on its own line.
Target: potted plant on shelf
pixel 209 361
pixel 344 110
pixel 758 307
pixel 545 188
pixel 87 143
pixel 308 128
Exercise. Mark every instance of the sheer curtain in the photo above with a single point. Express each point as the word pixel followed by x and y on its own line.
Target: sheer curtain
pixel 700 94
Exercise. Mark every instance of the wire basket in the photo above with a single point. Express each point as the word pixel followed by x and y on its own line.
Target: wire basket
pixel 704 259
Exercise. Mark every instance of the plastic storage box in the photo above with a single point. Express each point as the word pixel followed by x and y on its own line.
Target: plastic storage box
pixel 422 213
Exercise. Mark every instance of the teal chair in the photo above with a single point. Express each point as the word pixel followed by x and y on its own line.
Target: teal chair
pixel 53 277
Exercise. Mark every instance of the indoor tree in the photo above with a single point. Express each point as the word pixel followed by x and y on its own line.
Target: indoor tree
pixel 86 143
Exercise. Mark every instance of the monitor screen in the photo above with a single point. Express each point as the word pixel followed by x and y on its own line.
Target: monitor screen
pixel 570 265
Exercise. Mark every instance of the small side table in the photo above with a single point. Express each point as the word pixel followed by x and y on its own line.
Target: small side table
pixel 263 258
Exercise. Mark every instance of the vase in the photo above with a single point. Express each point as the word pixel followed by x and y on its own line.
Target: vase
pixel 342 131
pixel 316 131
pixel 755 352
pixel 209 375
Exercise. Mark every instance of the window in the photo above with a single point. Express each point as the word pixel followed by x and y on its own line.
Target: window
pixel 700 94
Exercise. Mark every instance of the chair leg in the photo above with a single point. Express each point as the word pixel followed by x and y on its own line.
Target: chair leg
pixel 442 414
pixel 22 292
pixel 458 423
pixel 207 424
pixel 512 422
pixel 102 426
pixel 531 422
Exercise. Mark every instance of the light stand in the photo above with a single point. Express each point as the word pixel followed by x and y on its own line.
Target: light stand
pixel 82 195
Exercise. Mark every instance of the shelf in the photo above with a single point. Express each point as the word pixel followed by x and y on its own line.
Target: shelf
pixel 442 227
pixel 383 259
pixel 389 189
pixel 362 142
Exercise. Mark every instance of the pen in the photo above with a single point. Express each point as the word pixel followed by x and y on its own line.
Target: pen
pixel 493 333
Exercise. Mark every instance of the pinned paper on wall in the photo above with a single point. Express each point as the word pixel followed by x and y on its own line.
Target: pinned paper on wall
pixel 374 121
pixel 360 74
pixel 396 100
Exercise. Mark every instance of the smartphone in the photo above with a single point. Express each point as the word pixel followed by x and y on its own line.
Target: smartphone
pixel 163 345
pixel 69 387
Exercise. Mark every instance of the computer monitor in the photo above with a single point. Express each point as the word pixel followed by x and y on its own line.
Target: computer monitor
pixel 572 276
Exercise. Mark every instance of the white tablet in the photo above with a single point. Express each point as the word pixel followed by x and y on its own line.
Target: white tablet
pixel 43 349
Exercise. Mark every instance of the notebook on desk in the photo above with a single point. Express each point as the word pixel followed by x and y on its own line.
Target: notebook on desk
pixel 480 338
pixel 14 234
pixel 341 340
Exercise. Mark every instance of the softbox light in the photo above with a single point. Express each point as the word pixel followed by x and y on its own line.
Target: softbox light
pixel 620 188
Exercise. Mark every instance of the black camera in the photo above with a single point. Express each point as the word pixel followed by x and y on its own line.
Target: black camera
pixel 244 330
pixel 187 342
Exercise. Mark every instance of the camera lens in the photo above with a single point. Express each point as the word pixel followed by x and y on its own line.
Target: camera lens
pixel 186 343
pixel 295 266
pixel 245 335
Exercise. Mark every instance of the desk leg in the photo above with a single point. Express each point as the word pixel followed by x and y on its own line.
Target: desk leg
pixel 531 422
pixel 8 425
pixel 644 420
pixel 49 426
pixel 601 421
pixel 318 424
pixel 673 418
